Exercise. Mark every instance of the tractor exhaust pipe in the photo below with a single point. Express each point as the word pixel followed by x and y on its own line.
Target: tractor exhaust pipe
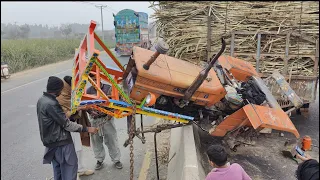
pixel 161 48
pixel 202 75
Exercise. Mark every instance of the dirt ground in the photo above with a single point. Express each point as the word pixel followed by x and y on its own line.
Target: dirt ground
pixel 264 160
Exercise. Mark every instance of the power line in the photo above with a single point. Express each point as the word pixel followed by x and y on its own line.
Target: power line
pixel 101 7
pixel 94 4
pixel 112 9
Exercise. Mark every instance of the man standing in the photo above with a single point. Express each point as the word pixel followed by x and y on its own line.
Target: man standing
pixel 79 117
pixel 107 131
pixel 55 130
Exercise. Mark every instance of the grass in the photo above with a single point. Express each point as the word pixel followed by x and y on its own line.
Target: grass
pixel 109 45
pixel 29 53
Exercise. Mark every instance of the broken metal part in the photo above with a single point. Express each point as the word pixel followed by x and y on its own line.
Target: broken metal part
pixel 270 98
pixel 287 90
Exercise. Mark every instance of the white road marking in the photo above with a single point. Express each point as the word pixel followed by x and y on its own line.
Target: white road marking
pixel 32 82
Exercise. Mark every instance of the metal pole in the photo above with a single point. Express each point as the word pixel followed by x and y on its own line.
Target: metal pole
pixel 286 58
pixel 316 62
pixel 232 45
pixel 102 24
pixel 258 52
pixel 209 37
pixel 101 7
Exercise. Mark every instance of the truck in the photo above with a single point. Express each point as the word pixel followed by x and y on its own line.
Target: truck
pixel 131 29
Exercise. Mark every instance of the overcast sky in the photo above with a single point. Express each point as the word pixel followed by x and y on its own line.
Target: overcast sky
pixel 55 13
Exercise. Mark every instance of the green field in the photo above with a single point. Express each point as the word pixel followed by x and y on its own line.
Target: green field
pixel 28 53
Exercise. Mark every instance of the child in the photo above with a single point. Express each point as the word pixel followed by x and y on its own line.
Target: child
pixel 223 170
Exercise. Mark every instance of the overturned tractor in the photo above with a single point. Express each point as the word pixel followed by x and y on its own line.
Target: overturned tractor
pixel 227 93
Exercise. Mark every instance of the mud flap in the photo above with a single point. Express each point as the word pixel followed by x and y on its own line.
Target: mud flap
pixel 258 117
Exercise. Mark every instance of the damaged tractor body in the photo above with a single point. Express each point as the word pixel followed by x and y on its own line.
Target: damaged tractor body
pixel 228 92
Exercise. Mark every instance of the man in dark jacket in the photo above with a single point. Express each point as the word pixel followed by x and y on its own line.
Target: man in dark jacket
pixel 55 130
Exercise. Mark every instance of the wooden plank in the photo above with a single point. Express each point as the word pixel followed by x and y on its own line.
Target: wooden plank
pixel 268 54
pixel 259 32
pixel 295 77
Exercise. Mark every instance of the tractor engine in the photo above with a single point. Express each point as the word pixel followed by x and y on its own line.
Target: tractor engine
pixel 179 87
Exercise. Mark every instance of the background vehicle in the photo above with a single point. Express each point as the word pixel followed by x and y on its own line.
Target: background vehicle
pixel 4 70
pixel 131 29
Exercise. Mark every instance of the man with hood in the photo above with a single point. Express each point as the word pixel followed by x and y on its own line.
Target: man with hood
pixel 81 118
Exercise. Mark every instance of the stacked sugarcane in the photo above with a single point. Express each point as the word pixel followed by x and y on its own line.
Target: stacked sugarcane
pixel 184 26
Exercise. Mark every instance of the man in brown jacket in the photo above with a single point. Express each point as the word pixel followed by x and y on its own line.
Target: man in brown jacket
pixel 81 118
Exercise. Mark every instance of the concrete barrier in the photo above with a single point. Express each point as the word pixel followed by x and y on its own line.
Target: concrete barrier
pixel 184 159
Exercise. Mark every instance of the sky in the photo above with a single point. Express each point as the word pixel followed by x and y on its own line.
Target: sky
pixel 54 13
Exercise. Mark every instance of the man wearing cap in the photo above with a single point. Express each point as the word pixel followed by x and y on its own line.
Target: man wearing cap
pixel 79 117
pixel 55 130
pixel 107 131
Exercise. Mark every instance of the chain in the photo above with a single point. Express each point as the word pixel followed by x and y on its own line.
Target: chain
pixel 133 121
pixel 105 121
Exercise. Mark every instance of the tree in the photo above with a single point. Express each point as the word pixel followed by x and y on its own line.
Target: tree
pixel 24 31
pixel 13 33
pixel 66 30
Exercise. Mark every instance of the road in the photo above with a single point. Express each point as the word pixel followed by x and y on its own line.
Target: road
pixel 21 147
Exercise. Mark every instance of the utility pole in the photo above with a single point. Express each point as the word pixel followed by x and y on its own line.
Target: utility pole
pixel 101 7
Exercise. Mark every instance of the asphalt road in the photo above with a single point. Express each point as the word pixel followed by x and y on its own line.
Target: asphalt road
pixel 21 147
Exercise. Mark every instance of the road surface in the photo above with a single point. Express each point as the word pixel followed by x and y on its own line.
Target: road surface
pixel 21 147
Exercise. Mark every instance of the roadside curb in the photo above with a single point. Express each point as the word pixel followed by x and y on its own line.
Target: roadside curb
pixel 184 163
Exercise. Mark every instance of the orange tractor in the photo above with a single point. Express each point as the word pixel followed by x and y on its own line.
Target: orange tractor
pixel 227 94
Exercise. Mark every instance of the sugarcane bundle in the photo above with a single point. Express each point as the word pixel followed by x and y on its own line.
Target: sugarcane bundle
pixel 184 26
